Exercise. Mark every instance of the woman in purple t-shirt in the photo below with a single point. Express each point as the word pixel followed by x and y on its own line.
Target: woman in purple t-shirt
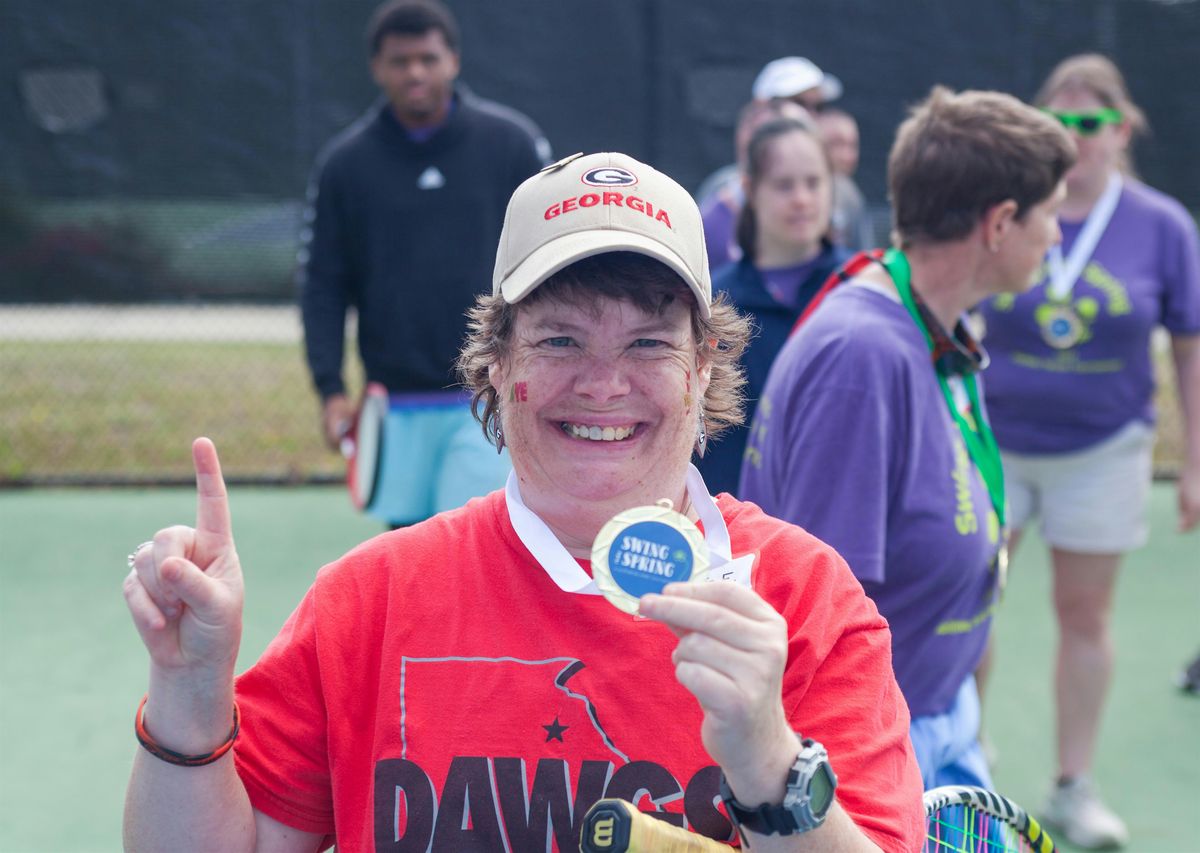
pixel 1070 395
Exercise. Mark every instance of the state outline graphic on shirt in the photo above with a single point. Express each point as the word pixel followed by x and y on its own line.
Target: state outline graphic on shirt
pixel 563 669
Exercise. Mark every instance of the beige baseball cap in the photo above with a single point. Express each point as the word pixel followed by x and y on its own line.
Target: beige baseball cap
pixel 586 205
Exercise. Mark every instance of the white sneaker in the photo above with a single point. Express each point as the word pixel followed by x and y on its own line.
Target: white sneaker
pixel 1075 811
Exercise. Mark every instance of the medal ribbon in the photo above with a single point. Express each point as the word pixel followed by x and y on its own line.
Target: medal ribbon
pixel 1064 275
pixel 561 566
pixel 980 442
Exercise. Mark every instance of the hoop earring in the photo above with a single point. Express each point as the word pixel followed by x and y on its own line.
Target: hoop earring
pixel 701 438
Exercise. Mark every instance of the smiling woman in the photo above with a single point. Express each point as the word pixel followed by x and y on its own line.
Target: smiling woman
pixel 608 348
pixel 470 652
pixel 1071 392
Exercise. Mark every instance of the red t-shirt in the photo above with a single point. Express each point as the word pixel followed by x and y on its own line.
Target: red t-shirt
pixel 435 684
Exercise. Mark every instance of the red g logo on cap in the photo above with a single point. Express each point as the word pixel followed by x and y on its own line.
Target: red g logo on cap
pixel 609 176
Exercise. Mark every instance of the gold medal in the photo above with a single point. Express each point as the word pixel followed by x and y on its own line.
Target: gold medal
pixel 643 549
pixel 1060 325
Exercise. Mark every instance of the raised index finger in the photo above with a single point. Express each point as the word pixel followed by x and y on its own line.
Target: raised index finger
pixel 214 530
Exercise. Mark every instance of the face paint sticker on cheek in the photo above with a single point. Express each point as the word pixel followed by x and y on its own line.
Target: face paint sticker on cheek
pixel 687 392
pixel 519 393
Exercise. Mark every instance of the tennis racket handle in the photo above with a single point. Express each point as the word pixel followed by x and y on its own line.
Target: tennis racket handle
pixel 616 826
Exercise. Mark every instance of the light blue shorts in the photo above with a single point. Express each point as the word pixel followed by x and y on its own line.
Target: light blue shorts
pixel 947 744
pixel 435 458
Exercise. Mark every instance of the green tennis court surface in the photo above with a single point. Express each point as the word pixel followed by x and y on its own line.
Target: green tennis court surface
pixel 72 668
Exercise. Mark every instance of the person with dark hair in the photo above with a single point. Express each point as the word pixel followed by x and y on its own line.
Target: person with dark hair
pixel 782 232
pixel 463 683
pixel 1071 396
pixel 722 193
pixel 404 212
pixel 871 433
pixel 411 18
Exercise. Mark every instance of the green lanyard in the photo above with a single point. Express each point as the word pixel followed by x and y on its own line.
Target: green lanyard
pixel 980 442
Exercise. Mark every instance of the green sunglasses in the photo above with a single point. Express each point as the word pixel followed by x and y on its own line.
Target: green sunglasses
pixel 1090 123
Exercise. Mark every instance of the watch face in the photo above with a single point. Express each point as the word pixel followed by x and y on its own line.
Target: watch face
pixel 820 791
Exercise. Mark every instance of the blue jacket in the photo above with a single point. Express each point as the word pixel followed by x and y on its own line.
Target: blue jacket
pixel 722 463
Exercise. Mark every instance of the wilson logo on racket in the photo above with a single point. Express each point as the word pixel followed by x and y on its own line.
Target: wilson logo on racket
pixel 609 176
pixel 603 832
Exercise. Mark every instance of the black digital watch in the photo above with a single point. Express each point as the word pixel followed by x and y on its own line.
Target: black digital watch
pixel 810 791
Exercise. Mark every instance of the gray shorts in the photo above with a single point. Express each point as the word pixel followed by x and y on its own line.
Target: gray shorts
pixel 1092 501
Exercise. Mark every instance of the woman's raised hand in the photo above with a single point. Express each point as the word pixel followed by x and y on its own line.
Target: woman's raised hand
pixel 185 588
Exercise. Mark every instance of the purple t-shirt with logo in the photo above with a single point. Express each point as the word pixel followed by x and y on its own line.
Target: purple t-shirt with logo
pixel 1144 272
pixel 853 441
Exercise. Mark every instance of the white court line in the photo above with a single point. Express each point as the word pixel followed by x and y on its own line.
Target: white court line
pixel 199 322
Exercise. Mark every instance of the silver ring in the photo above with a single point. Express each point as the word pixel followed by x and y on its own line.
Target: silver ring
pixel 133 556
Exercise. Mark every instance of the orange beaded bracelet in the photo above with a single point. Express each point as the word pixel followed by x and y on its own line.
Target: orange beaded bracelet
pixel 178 758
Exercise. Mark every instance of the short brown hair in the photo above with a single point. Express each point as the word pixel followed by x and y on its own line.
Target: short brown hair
pixel 411 18
pixel 957 155
pixel 1099 76
pixel 646 283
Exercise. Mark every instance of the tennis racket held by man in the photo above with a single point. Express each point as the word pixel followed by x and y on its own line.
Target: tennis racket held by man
pixel 362 445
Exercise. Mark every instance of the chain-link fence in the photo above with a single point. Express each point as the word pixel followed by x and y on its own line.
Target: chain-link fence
pixel 114 393
pixel 153 160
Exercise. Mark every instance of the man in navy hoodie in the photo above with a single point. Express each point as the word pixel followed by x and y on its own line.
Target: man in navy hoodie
pixel 405 211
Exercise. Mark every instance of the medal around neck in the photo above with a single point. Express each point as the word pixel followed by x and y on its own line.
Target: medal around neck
pixel 643 549
pixel 1061 327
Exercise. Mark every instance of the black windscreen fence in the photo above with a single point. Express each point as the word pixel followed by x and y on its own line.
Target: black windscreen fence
pixel 154 158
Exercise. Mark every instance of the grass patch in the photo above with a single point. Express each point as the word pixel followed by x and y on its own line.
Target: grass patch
pixel 117 411
pixel 130 409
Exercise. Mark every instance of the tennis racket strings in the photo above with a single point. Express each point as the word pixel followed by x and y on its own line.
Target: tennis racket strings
pixel 966 819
